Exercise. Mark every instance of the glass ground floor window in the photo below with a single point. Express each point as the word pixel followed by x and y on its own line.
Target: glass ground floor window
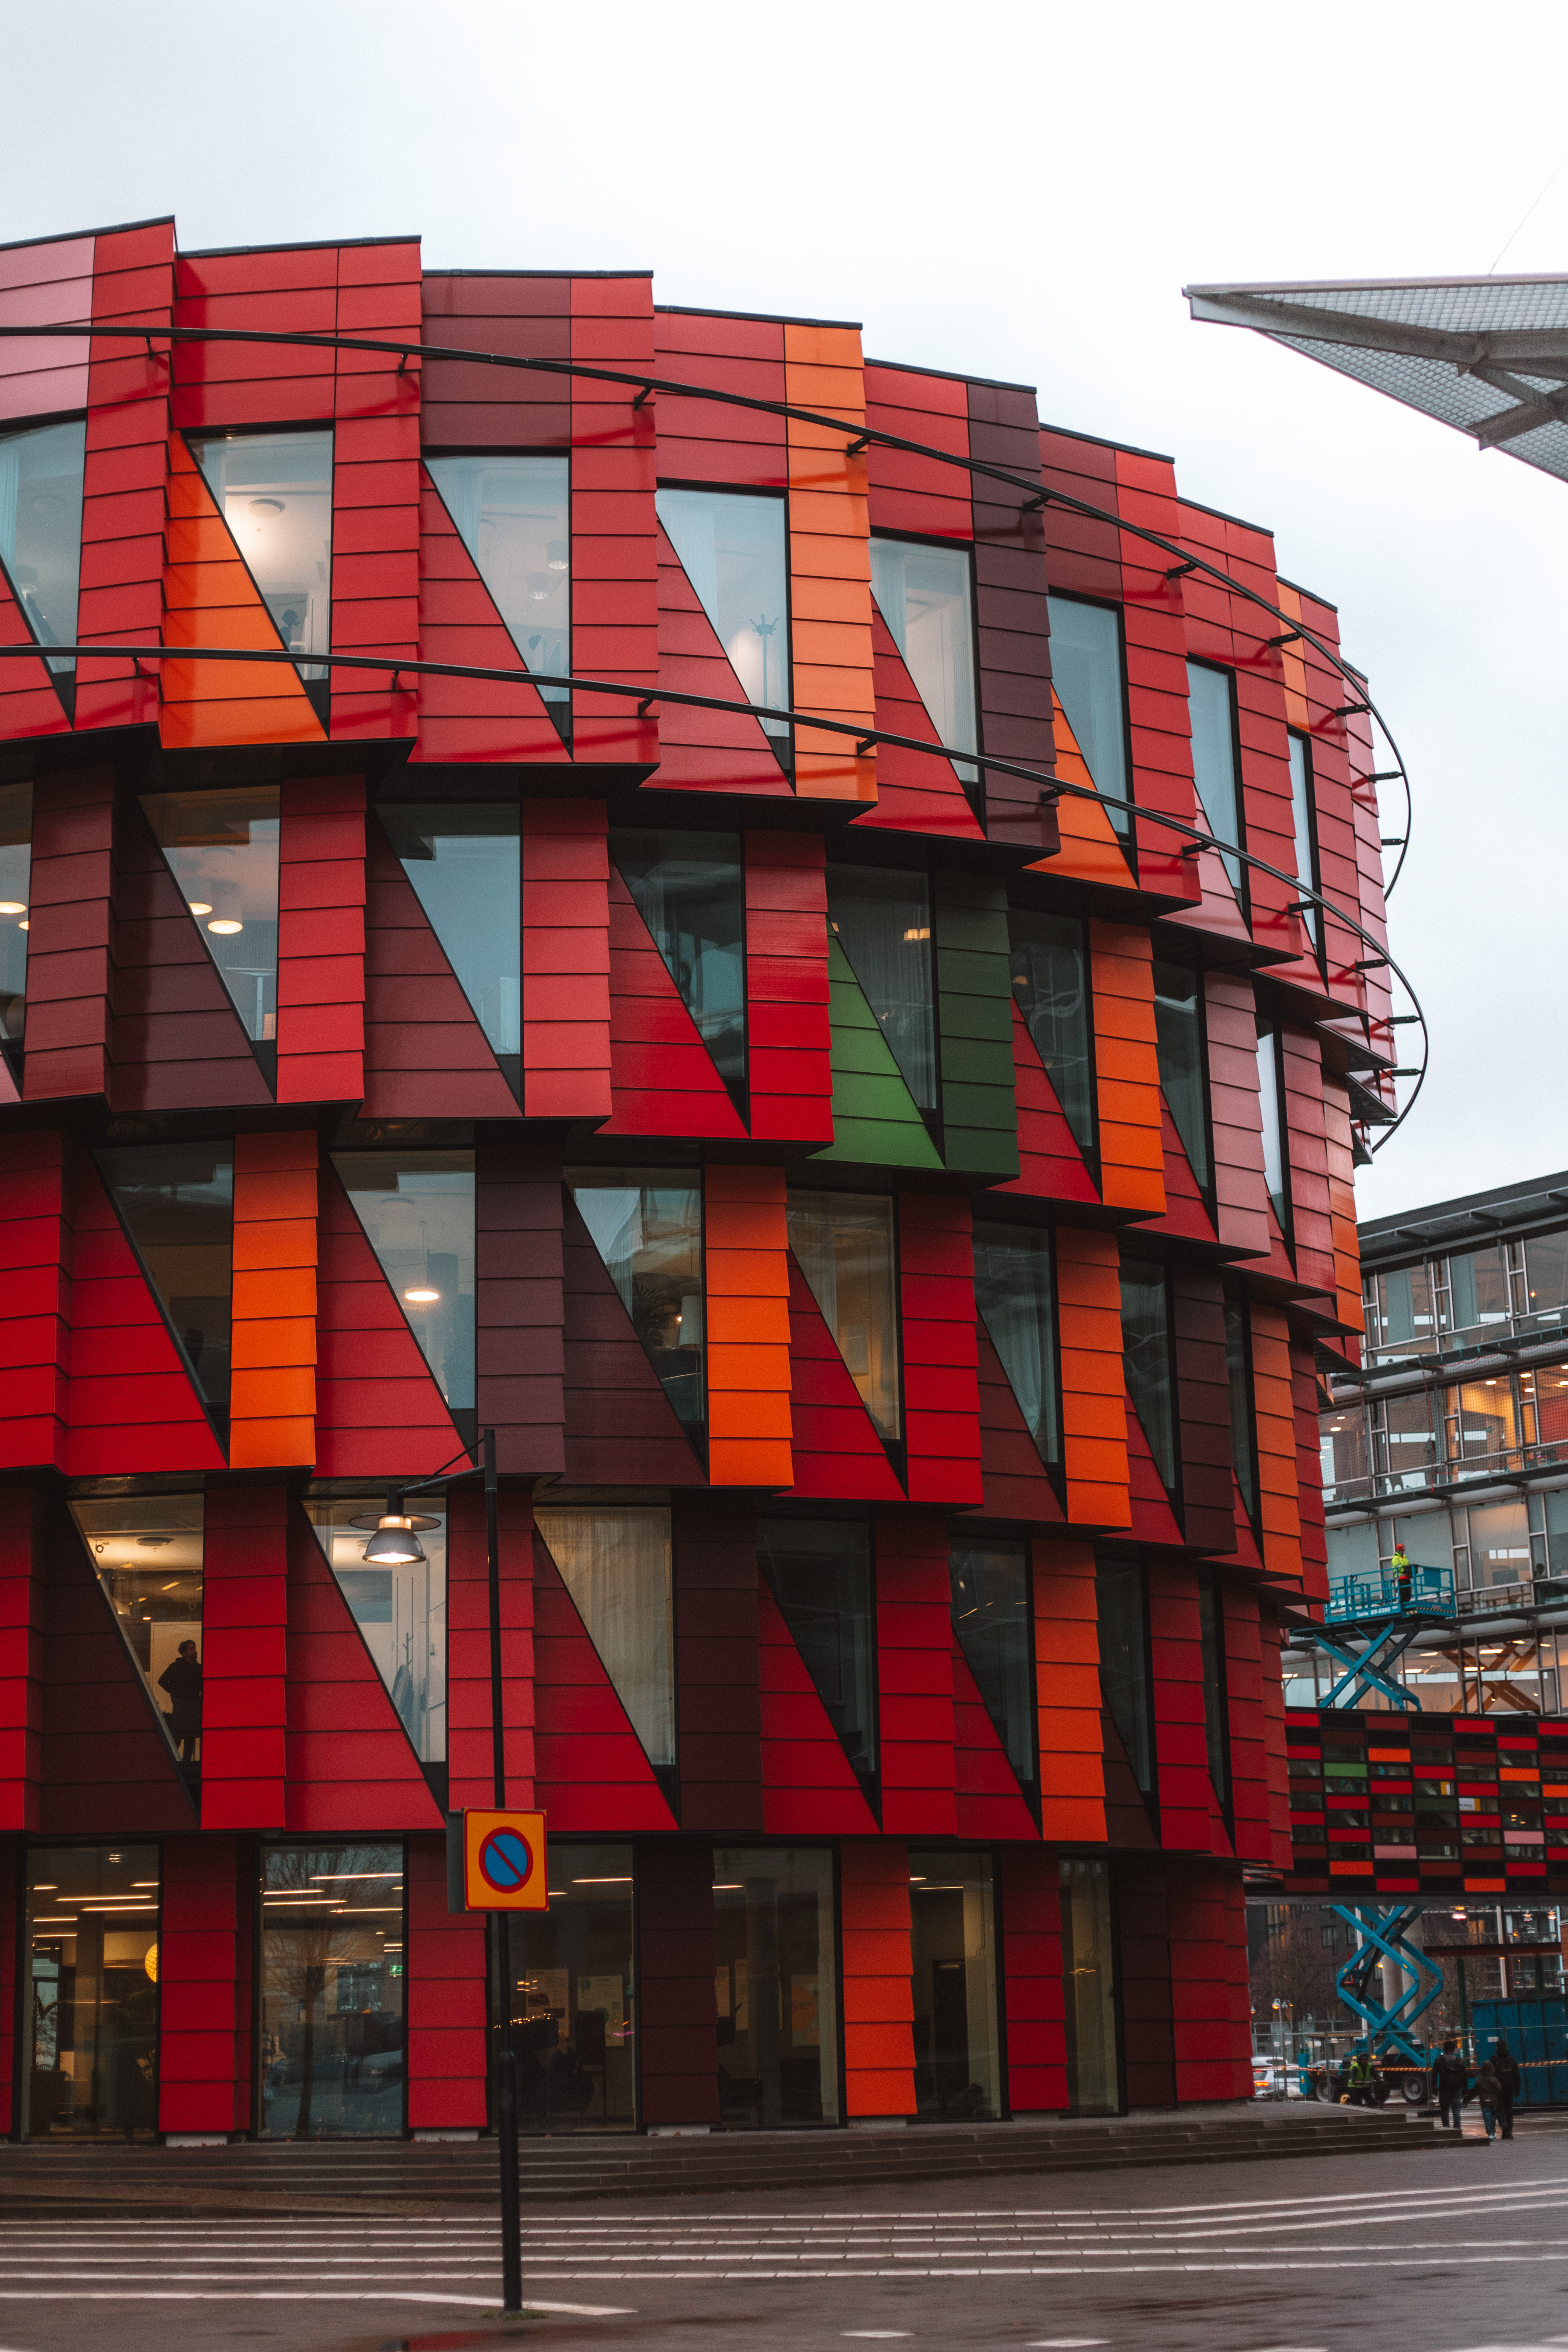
pixel 333 1946
pixel 572 2025
pixel 775 1979
pixel 953 1952
pixel 91 1980
pixel 1089 1981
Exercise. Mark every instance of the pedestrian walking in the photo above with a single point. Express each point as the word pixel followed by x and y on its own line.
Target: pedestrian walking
pixel 1505 2066
pixel 1450 2081
pixel 1489 2094
pixel 1360 2080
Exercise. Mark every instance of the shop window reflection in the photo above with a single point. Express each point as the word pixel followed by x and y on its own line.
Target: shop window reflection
pixel 958 2067
pixel 147 1552
pixel 1088 1984
pixel 842 1244
pixel 92 1993
pixel 331 2020
pixel 573 2017
pixel 775 1986
pixel 401 1611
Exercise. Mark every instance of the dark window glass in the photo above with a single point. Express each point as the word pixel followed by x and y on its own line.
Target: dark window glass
pixel 147 1551
pixel 1146 1352
pixel 332 1957
pixel 1050 982
pixel 513 515
pixel 1087 672
pixel 15 886
pixel 1179 1037
pixel 991 1617
pixel 1015 1294
pixel 222 850
pixel 1238 1371
pixel 41 471
pixel 401 1610
pixel 731 546
pixel 842 1244
pixel 924 595
pixel 952 1955
pixel 1124 1659
pixel 176 1203
pixel 820 1573
pixel 417 1211
pixel 1271 1107
pixel 275 492
pixel 465 864
pixel 688 889
pixel 646 1225
pixel 1302 826
pixel 571 2026
pixel 91 1980
pixel 776 1979
pixel 1217 1714
pixel 1210 709
pixel 1482 1298
pixel 881 919
pixel 1089 1986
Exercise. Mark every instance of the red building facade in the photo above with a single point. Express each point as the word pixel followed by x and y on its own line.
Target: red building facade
pixel 880 1175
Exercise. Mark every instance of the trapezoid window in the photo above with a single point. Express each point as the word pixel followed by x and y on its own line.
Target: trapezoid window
pixel 1090 679
pixel 417 1211
pixel 513 514
pixel 881 918
pixel 990 1580
pixel 176 1203
pixel 464 860
pixel 1016 1294
pixel 925 593
pixel 146 1552
pixel 1179 1045
pixel 1121 1605
pixel 732 546
pixel 333 1949
pixel 1304 826
pixel 1217 1709
pixel 222 849
pixel 41 474
pixel 1211 705
pixel 1272 1109
pixel 15 889
pixel 617 1565
pixel 1238 1375
pixel 1050 971
pixel 1146 1355
pixel 688 890
pixel 842 1244
pixel 275 492
pixel 819 1571
pixel 646 1225
pixel 400 1610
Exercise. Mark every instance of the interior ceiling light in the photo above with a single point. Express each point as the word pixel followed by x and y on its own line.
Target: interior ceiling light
pixel 200 906
pixel 422 1298
pixel 13 907
pixel 395 1538
pixel 263 509
pixel 225 928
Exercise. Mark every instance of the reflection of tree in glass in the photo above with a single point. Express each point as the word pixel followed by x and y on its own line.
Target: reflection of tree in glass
pixel 305 1949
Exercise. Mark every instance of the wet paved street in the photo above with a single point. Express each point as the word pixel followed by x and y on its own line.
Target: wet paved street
pixel 1448 2250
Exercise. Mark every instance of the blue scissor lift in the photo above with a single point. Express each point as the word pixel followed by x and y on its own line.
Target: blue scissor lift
pixel 1369 1623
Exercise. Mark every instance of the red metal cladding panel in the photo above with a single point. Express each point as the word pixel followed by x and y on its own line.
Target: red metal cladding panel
pixel 21 1663
pixel 1186 1211
pixel 447 2061
pixel 704 751
pixel 1210 2024
pixel 941 1392
pixel 1153 1517
pixel 700 441
pixel 566 1029
pixel 470 1742
pixel 620 1424
pixel 913 495
pixel 520 1302
pixel 379 1412
pixel 1012 627
pixel 425 1054
pixel 321 941
pixel 836 1449
pixel 1053 1167
pixel 809 1788
pixel 375 485
pixel 788 1035
pixel 1175 1650
pixel 1153 639
pixel 204 2038
pixel 463 718
pixel 121 597
pixel 1017 1482
pixel 615 557
pixel 662 1078
pixel 45 283
pixel 29 703
pixel 68 942
pixel 915 791
pixel 990 1803
pixel 1032 1979
pixel 914 1679
pixel 245 1631
pixel 35 1322
pixel 291 289
pixel 516 314
pixel 593 1772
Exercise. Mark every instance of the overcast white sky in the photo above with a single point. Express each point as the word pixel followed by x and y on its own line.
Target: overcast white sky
pixel 1021 191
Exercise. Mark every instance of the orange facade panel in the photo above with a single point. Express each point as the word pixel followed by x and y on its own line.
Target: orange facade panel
pixel 1127 1069
pixel 747 1265
pixel 1094 1413
pixel 272 1398
pixel 1278 1504
pixel 829 561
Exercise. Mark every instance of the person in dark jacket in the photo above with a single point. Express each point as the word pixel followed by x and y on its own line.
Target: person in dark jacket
pixel 181 1679
pixel 1505 2066
pixel 1488 2095
pixel 1450 2081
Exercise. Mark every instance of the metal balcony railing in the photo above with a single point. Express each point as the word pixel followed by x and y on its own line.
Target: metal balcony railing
pixel 1352 1598
pixel 1445 1477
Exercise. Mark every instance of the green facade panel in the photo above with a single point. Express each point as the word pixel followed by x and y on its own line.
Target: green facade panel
pixel 874 1114
pixel 974 1026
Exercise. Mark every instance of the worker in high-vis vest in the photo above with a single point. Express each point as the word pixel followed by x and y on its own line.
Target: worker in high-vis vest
pixel 1403 1574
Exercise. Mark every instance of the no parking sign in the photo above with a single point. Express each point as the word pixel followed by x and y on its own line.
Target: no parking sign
pixel 496 1861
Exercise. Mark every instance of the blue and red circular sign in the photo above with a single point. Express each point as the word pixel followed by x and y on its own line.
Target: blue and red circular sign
pixel 506 1860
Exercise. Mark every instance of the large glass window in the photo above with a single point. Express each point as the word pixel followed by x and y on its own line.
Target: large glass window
pixel 417 1211
pixel 1212 711
pixel 1015 1295
pixel 1050 982
pixel 616 1567
pixel 646 1225
pixel 1271 1108
pixel 881 919
pixel 1544 1394
pixel 1303 825
pixel 15 891
pixel 953 1952
pixel 1499 1544
pixel 1481 1292
pixel 775 1969
pixel 1482 1422
pixel 1343 1451
pixel 41 473
pixel 1216 1707
pixel 732 548
pixel 222 849
pixel 820 1574
pixel 1124 1658
pixel 1238 1374
pixel 1146 1353
pixel 513 515
pixel 1089 1982
pixel 687 890
pixel 275 492
pixel 1405 1448
pixel 176 1203
pixel 91 2032
pixel 1090 682
pixel 333 1950
pixel 147 1552
pixel 573 2020
pixel 464 861
pixel 1407 1308
pixel 842 1244
pixel 1179 1042
pixel 925 594
pixel 1547 1286
pixel 400 1610
pixel 990 1580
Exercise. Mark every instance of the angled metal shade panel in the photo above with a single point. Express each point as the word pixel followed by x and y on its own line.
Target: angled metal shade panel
pixel 1486 355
